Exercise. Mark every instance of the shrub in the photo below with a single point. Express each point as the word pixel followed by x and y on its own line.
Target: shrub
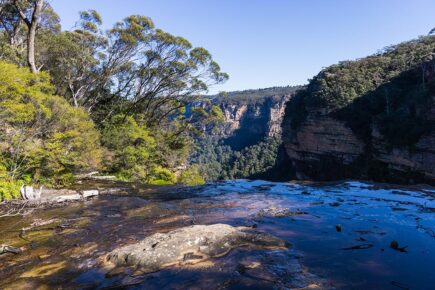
pixel 161 176
pixel 8 187
pixel 42 136
pixel 191 177
pixel 131 147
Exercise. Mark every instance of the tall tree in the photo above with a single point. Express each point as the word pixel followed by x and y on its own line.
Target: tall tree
pixel 160 73
pixel 10 22
pixel 72 58
pixel 31 20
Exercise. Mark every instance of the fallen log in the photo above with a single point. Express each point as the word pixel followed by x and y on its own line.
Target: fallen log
pixel 4 249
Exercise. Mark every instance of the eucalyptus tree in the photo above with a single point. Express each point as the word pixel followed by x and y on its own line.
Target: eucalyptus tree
pixel 153 73
pixel 72 58
pixel 30 12
pixel 24 24
pixel 131 69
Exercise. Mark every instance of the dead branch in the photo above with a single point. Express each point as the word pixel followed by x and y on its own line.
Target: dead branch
pixel 9 249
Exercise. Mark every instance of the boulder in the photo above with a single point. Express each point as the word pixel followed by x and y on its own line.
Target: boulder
pixel 189 245
pixel 68 197
pixel 89 193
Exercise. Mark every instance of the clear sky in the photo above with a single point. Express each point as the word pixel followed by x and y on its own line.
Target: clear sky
pixel 264 43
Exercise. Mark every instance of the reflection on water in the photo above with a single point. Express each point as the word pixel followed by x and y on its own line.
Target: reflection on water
pixel 341 235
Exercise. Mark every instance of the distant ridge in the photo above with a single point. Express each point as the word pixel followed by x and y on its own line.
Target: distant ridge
pixel 253 95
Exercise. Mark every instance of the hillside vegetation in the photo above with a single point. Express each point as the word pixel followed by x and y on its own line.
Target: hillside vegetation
pixel 253 96
pixel 391 89
pixel 88 99
pixel 386 99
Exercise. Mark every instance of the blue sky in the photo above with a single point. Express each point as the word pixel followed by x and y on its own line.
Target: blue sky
pixel 264 43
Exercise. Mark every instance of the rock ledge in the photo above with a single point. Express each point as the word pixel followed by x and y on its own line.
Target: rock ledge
pixel 190 245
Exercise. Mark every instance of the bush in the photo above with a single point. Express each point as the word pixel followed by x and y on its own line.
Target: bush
pixel 47 136
pixel 161 176
pixel 131 147
pixel 8 187
pixel 191 177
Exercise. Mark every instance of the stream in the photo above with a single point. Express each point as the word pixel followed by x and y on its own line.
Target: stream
pixel 343 235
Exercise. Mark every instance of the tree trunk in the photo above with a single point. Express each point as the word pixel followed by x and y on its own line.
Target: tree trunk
pixel 32 34
pixel 32 25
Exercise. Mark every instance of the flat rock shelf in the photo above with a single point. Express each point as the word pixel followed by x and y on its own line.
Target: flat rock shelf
pixel 226 235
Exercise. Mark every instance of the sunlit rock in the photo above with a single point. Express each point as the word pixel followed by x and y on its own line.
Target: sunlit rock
pixel 190 245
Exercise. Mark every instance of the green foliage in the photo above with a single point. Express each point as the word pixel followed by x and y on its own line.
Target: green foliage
pixel 138 153
pixel 42 135
pixel 191 176
pixel 389 90
pixel 217 114
pixel 398 109
pixel 217 161
pixel 135 81
pixel 8 187
pixel 253 96
pixel 90 20
pixel 161 176
pixel 131 147
pixel 257 159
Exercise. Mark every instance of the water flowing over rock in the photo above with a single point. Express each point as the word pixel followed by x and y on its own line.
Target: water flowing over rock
pixel 190 245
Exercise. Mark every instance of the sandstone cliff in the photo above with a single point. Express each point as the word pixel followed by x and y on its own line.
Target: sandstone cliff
pixel 351 123
pixel 326 149
pixel 247 124
pixel 251 116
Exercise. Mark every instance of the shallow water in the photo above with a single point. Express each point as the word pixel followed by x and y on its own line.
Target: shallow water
pixel 68 251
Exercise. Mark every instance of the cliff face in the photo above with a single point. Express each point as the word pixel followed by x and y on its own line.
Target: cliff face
pixel 251 116
pixel 349 123
pixel 246 124
pixel 420 159
pixel 246 143
pixel 323 148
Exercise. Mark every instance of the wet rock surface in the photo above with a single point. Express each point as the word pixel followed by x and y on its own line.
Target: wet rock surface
pixel 190 245
pixel 364 243
pixel 279 212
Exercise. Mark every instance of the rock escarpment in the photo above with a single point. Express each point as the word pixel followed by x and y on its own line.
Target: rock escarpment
pixel 259 118
pixel 248 122
pixel 322 147
pixel 353 122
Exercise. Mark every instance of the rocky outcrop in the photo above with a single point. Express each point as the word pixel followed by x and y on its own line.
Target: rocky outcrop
pixel 321 148
pixel 247 123
pixel 276 115
pixel 420 160
pixel 324 148
pixel 260 118
pixel 189 245
pixel 233 117
pixel 369 118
